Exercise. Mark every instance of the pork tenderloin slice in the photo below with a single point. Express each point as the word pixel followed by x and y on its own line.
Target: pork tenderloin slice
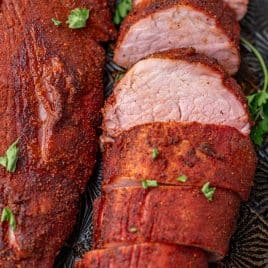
pixel 218 154
pixel 166 214
pixel 150 255
pixel 175 86
pixel 207 26
pixel 239 6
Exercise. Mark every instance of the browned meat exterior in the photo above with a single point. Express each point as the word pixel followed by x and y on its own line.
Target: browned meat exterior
pixel 239 6
pixel 166 214
pixel 178 85
pixel 50 97
pixel 201 152
pixel 206 25
pixel 149 255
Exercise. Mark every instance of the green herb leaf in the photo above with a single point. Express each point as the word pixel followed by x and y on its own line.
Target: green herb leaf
pixel 259 131
pixel 182 178
pixel 3 161
pixel 78 18
pixel 149 183
pixel 208 191
pixel 56 22
pixel 133 229
pixel 8 216
pixel 258 102
pixel 122 9
pixel 9 160
pixel 119 76
pixel 155 153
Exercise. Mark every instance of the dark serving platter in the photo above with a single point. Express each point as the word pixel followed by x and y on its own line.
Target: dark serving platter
pixel 249 244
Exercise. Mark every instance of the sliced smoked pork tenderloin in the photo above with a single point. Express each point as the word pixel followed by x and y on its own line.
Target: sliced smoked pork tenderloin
pixel 177 85
pixel 149 255
pixel 166 214
pixel 239 6
pixel 201 152
pixel 206 25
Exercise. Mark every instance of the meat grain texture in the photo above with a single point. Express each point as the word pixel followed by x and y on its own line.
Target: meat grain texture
pixel 178 85
pixel 206 25
pixel 239 6
pixel 50 98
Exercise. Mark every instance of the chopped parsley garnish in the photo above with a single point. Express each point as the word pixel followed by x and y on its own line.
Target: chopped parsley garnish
pixel 118 76
pixel 9 160
pixel 133 229
pixel 56 22
pixel 208 191
pixel 155 153
pixel 122 9
pixel 258 102
pixel 149 183
pixel 78 18
pixel 182 178
pixel 8 216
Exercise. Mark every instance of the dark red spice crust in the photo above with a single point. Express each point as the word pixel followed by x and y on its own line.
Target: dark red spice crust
pixel 166 214
pixel 51 92
pixel 144 255
pixel 201 152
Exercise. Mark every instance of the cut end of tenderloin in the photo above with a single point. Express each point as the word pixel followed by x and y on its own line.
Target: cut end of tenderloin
pixel 208 27
pixel 176 86
pixel 145 255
